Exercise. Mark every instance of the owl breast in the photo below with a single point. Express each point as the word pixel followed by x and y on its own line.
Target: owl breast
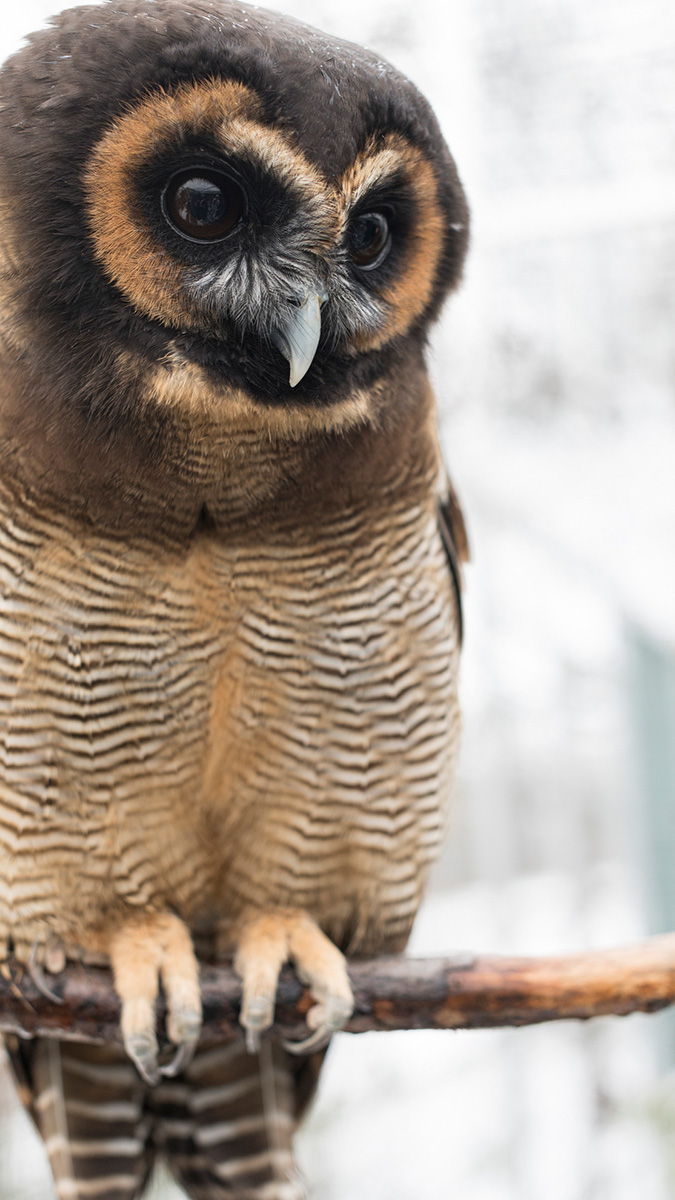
pixel 212 723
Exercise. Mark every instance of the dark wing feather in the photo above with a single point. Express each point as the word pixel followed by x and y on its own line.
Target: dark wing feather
pixel 455 543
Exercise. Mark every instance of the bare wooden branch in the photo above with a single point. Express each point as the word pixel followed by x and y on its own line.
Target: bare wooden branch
pixel 391 993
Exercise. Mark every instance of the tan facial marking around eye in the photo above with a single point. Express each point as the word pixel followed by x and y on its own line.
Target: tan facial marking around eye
pixel 144 270
pixel 408 295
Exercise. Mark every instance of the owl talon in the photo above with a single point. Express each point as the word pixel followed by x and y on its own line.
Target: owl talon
pixel 253 1041
pixel 327 1018
pixel 34 967
pixel 142 1050
pixel 183 1025
pixel 257 1014
pixel 143 951
pixel 317 1041
pixel 181 1059
pixel 266 942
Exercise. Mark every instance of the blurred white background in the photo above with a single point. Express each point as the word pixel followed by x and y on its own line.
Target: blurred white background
pixel 555 371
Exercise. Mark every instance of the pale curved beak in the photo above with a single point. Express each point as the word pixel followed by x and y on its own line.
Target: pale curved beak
pixel 298 337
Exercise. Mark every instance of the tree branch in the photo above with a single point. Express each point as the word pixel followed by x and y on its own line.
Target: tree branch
pixel 390 993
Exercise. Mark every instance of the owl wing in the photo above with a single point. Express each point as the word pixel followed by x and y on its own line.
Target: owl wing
pixel 455 543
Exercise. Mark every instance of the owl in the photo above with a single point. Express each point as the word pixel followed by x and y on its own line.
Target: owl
pixel 229 558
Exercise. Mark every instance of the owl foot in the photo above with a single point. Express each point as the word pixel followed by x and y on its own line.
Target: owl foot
pixel 268 940
pixel 34 958
pixel 143 951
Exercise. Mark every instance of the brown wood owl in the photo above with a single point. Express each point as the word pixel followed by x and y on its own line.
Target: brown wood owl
pixel 229 606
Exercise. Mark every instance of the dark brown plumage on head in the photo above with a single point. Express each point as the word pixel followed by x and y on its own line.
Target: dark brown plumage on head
pixel 334 199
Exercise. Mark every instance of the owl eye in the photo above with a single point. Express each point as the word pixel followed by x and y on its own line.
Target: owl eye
pixel 369 240
pixel 202 204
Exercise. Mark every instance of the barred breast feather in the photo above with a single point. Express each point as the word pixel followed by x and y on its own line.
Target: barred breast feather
pixel 209 723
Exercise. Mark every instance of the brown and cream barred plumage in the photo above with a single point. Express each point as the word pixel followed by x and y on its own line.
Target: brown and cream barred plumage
pixel 229 556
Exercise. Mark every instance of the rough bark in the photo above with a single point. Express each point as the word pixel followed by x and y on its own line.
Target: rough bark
pixel 464 992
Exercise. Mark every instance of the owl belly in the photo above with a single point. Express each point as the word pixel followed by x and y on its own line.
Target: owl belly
pixel 342 727
pixel 208 727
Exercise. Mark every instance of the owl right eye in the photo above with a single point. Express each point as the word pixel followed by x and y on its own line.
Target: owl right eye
pixel 369 240
pixel 202 204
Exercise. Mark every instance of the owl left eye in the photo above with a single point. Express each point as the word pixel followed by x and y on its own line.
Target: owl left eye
pixel 369 240
pixel 203 205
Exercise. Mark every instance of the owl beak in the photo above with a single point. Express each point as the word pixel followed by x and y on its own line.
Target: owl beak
pixel 298 336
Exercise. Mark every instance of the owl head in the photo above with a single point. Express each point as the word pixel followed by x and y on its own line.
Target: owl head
pixel 209 208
